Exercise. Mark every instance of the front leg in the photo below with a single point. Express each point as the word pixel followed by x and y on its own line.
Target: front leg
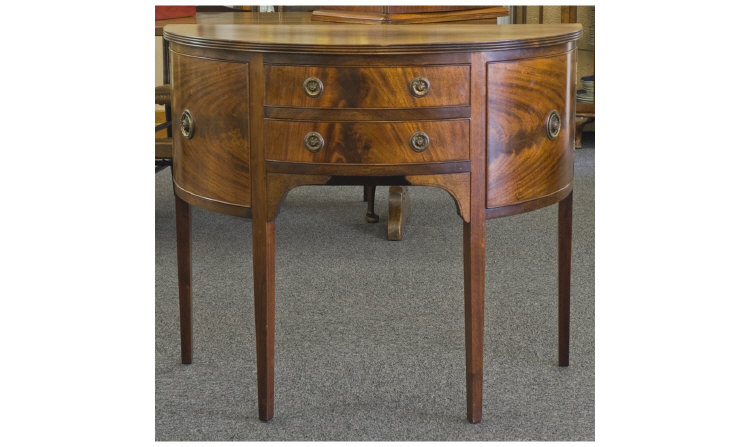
pixel 564 252
pixel 264 264
pixel 184 278
pixel 474 264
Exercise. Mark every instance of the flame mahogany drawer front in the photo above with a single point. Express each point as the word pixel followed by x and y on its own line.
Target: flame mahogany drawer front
pixel 367 142
pixel 367 87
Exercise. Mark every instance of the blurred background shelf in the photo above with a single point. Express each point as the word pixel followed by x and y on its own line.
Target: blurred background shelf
pixel 586 51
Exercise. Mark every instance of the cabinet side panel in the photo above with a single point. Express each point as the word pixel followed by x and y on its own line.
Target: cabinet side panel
pixel 213 164
pixel 523 163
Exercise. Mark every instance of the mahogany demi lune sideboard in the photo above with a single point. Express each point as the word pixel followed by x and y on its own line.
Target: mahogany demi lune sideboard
pixel 486 112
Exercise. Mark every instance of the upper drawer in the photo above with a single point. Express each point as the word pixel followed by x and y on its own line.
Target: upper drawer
pixel 367 87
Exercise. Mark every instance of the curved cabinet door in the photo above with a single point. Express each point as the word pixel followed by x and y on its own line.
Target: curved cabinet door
pixel 211 167
pixel 523 162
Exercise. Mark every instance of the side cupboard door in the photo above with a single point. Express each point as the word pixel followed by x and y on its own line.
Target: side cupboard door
pixel 526 159
pixel 212 163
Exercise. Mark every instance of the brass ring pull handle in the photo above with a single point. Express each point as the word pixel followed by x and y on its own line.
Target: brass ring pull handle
pixel 313 87
pixel 314 142
pixel 554 123
pixel 419 141
pixel 187 124
pixel 419 87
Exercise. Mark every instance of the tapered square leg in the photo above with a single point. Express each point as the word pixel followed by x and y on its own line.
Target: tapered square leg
pixel 474 264
pixel 264 262
pixel 184 278
pixel 564 252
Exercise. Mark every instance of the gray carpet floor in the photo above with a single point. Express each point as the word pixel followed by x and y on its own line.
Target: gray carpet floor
pixel 369 332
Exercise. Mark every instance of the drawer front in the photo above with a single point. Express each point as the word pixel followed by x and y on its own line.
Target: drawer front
pixel 367 142
pixel 213 162
pixel 368 87
pixel 523 162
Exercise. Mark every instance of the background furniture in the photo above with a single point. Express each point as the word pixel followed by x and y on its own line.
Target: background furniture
pixel 164 143
pixel 584 115
pixel 484 112
pixel 401 15
pixel 569 14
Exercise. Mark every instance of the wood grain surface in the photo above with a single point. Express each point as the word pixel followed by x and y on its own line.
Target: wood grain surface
pixel 238 18
pixel 523 164
pixel 264 248
pixel 279 185
pixel 367 142
pixel 474 244
pixel 357 39
pixel 354 87
pixel 457 185
pixel 213 164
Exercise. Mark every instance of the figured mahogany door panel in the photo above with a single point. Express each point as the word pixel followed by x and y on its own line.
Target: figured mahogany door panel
pixel 523 161
pixel 213 163
pixel 367 142
pixel 364 87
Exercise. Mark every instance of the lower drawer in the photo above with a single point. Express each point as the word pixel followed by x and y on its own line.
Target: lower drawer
pixel 367 142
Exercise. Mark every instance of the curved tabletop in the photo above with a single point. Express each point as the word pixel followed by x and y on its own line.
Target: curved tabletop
pixel 351 38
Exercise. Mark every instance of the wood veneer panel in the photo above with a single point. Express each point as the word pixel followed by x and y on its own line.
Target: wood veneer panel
pixel 353 87
pixel 214 164
pixel 522 162
pixel 367 142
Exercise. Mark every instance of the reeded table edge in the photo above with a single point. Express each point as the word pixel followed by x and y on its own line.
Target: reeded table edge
pixel 420 48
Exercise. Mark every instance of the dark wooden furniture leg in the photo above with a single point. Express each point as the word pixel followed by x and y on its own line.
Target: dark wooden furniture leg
pixel 474 260
pixel 474 245
pixel 564 240
pixel 184 278
pixel 371 217
pixel 264 247
pixel 398 212
pixel 264 263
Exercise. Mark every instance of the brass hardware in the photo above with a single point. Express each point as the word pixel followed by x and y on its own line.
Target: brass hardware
pixel 314 142
pixel 313 87
pixel 187 125
pixel 419 87
pixel 554 123
pixel 419 141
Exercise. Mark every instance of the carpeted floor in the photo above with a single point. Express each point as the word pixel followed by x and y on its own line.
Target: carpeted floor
pixel 369 332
